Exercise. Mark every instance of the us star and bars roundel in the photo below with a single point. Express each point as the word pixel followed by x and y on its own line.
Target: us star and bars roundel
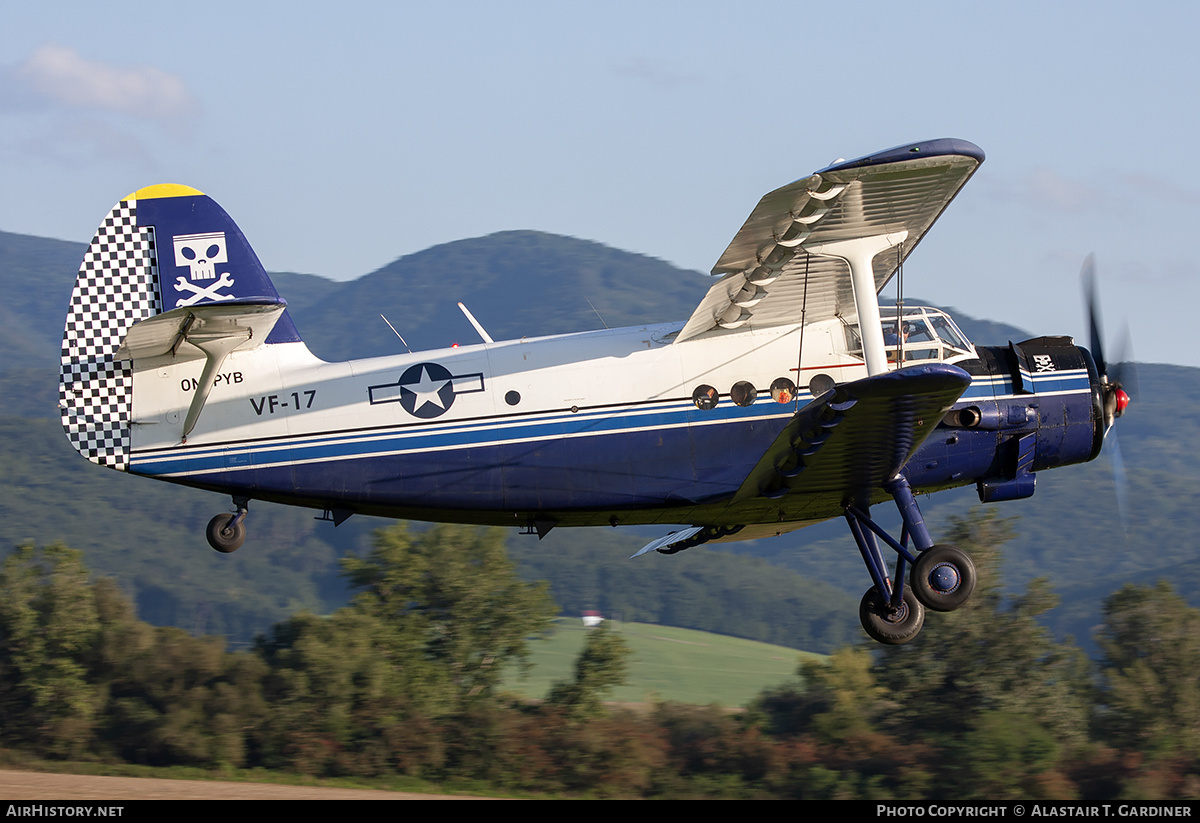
pixel 426 390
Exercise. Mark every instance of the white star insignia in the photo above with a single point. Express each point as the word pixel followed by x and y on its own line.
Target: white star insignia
pixel 426 389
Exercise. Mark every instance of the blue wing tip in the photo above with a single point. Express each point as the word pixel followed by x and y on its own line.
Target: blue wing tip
pixel 942 147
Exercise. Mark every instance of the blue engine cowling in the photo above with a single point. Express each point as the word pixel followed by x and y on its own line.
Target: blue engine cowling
pixel 1031 406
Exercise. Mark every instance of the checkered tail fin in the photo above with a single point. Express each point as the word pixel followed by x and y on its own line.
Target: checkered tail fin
pixel 161 248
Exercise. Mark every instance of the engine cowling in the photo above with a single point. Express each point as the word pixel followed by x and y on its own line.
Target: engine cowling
pixel 1031 406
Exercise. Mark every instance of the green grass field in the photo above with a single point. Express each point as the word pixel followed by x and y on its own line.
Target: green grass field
pixel 666 664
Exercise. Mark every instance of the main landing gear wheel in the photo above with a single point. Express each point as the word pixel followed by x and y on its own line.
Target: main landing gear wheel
pixel 943 578
pixel 887 625
pixel 224 535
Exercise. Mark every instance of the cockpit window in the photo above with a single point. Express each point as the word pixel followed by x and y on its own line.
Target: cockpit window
pixel 948 332
pixel 915 334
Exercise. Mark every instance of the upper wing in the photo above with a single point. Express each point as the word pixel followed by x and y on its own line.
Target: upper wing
pixel 857 436
pixel 770 274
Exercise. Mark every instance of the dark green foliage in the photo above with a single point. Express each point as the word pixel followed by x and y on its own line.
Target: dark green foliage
pixel 38 276
pixel 990 655
pixel 1149 697
pixel 449 598
pixel 401 681
pixel 48 626
pixel 150 536
pixel 984 703
pixel 342 703
pixel 404 678
pixel 178 699
pixel 989 684
pixel 838 721
pixel 81 676
pixel 600 667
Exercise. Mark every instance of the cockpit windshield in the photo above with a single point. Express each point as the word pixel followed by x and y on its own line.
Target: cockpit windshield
pixel 915 334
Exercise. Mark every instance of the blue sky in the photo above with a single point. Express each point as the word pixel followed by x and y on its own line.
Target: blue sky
pixel 341 139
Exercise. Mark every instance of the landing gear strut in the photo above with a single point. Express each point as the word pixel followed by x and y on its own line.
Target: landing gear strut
pixel 943 576
pixel 226 532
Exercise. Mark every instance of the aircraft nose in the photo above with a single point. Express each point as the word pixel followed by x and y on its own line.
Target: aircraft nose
pixel 1122 401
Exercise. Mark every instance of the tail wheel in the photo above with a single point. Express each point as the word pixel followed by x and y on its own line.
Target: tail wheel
pixel 884 624
pixel 223 536
pixel 943 578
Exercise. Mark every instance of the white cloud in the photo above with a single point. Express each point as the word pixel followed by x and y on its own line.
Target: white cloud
pixel 59 75
pixel 1109 193
pixel 1062 194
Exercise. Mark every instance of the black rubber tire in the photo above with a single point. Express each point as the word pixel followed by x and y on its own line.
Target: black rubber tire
pixel 223 538
pixel 935 562
pixel 887 627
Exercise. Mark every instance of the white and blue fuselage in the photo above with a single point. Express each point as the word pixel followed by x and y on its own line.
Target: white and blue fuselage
pixel 583 427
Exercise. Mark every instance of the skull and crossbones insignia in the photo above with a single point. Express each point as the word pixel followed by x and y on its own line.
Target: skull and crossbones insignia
pixel 201 254
pixel 200 293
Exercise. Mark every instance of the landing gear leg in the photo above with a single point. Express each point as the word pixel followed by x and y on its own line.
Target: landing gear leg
pixel 226 532
pixel 943 576
pixel 889 613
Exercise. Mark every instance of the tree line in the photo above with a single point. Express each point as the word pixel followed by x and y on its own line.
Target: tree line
pixel 406 679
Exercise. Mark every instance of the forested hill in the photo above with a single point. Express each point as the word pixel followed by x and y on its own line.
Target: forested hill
pixel 516 283
pixel 149 536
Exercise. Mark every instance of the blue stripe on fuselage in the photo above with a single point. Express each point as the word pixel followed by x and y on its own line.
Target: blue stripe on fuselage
pixel 997 387
pixel 419 438
pixel 559 459
pixel 549 460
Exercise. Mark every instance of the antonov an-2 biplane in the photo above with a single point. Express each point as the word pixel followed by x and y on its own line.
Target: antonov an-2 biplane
pixel 787 398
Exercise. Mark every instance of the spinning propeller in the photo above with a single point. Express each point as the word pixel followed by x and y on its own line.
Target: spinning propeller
pixel 1122 384
pixel 1116 388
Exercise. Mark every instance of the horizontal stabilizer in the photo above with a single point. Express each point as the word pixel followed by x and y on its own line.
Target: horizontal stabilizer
pixel 667 542
pixel 700 535
pixel 165 334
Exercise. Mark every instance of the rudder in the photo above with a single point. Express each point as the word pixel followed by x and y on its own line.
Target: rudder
pixel 160 248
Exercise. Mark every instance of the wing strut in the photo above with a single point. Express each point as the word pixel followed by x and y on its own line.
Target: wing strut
pixel 860 253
